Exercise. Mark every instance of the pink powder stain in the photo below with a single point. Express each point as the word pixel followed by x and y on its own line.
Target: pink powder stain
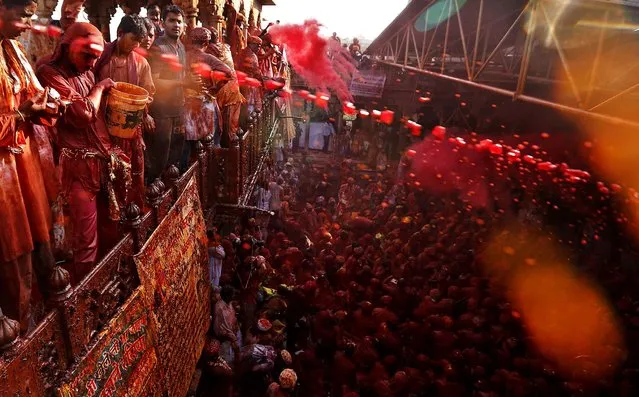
pixel 308 54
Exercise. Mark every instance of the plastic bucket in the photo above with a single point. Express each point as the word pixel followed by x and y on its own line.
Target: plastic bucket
pixel 125 109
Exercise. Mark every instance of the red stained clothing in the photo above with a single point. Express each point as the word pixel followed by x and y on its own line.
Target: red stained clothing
pixel 80 129
pixel 133 69
pixel 24 206
pixel 248 63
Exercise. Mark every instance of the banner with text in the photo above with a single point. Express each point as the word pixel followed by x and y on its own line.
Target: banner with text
pixel 368 84
pixel 173 268
pixel 123 362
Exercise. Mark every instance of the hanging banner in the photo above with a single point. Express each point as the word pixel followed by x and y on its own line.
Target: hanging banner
pixel 123 362
pixel 173 269
pixel 369 83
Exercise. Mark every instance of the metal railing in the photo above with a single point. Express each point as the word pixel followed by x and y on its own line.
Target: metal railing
pixel 37 363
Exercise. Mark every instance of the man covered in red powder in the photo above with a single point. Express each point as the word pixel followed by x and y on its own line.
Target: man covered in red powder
pixel 165 143
pixel 24 209
pixel 203 113
pixel 247 62
pixel 121 63
pixel 228 97
pixel 235 22
pixel 87 154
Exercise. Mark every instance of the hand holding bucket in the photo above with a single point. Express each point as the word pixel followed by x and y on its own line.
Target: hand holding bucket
pixel 125 109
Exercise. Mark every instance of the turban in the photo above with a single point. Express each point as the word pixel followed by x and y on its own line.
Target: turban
pixel 212 348
pixel 254 40
pixel 92 40
pixel 264 325
pixel 286 357
pixel 288 379
pixel 200 34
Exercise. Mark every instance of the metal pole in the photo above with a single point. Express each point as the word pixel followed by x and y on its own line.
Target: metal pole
pixel 477 35
pixel 412 32
pixel 407 42
pixel 525 98
pixel 432 39
pixel 450 6
pixel 501 42
pixel 463 39
pixel 390 48
pixel 421 56
pixel 595 66
pixel 622 93
pixel 528 46
pixel 562 57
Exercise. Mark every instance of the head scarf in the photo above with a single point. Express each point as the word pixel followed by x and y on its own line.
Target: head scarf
pixel 200 34
pixel 288 379
pixel 254 40
pixel 79 30
pixel 14 61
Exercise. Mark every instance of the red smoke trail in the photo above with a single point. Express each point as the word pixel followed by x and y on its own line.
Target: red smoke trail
pixel 308 54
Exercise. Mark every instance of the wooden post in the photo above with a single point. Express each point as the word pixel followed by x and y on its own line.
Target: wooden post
pixel 202 175
pixel 171 176
pixel 233 170
pixel 9 332
pixel 190 8
pixel 45 9
pixel 100 13
pixel 133 222
pixel 60 292
pixel 154 194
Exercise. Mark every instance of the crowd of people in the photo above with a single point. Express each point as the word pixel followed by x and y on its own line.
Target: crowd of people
pixel 365 285
pixel 66 179
pixel 354 49
pixel 362 284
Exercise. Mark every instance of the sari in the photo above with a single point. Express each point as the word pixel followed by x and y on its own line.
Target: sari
pixel 24 204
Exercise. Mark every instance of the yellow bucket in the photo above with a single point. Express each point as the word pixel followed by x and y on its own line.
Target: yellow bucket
pixel 125 109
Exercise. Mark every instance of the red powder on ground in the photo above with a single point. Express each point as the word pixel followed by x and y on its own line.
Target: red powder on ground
pixel 308 54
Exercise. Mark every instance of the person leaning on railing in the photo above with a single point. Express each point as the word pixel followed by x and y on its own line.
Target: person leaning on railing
pixel 94 171
pixel 121 63
pixel 202 113
pixel 229 98
pixel 24 206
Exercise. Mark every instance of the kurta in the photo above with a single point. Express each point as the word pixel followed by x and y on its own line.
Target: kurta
pixel 133 69
pixel 202 112
pixel 229 98
pixel 248 63
pixel 79 129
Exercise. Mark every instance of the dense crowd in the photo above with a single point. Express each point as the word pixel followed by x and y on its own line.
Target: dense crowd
pixel 78 147
pixel 364 285
pixel 361 284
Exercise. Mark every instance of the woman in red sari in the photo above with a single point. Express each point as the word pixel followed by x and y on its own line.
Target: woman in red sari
pixel 24 207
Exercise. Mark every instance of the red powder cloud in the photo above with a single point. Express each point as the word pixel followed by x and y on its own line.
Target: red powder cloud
pixel 308 54
pixel 442 167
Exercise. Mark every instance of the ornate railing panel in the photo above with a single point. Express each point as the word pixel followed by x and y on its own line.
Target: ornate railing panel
pixel 33 367
pixel 38 363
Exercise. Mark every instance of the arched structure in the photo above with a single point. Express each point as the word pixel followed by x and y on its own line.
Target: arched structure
pixel 572 56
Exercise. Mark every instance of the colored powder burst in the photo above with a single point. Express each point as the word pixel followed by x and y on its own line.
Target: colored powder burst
pixel 321 64
pixel 441 167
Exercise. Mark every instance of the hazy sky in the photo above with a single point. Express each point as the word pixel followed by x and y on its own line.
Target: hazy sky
pixel 348 18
